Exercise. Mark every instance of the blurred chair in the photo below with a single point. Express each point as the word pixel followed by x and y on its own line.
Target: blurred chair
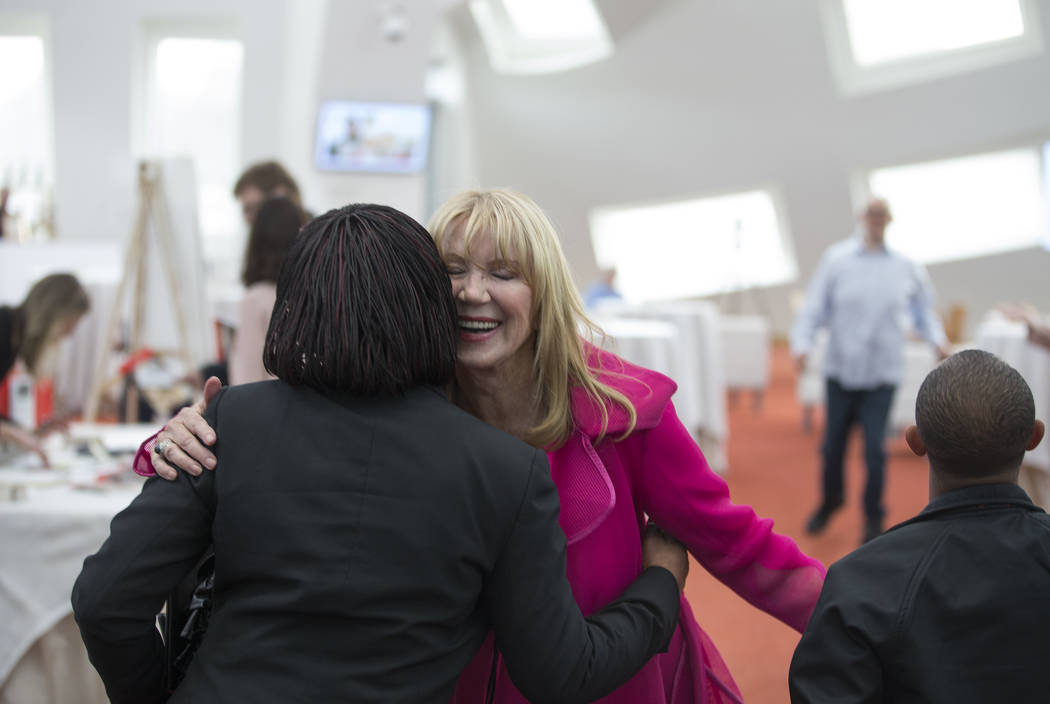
pixel 955 323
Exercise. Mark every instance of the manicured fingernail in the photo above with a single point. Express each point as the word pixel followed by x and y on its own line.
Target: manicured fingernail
pixel 209 439
pixel 195 470
pixel 210 463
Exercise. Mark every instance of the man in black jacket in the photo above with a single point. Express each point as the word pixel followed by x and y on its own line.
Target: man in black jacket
pixel 954 604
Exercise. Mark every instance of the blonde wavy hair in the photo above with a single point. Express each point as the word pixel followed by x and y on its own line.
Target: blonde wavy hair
pixel 522 233
pixel 52 302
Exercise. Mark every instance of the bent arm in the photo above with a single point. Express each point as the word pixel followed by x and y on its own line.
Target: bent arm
pixel 552 652
pixel 924 316
pixel 153 544
pixel 679 491
pixel 815 310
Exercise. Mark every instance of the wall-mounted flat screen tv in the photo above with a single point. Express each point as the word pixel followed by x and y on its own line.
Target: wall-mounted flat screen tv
pixel 372 137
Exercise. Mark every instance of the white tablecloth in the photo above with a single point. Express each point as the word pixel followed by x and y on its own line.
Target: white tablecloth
pixel 647 343
pixel 1009 341
pixel 45 538
pixel 745 350
pixel 696 364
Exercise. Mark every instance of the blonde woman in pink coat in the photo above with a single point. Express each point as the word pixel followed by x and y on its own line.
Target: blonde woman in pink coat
pixel 616 447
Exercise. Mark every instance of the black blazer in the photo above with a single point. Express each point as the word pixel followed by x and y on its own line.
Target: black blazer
pixel 363 549
pixel 951 606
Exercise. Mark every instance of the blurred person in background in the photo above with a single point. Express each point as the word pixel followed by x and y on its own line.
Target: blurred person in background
pixel 1038 328
pixel 30 332
pixel 602 289
pixel 863 293
pixel 274 228
pixel 260 181
pixel 257 184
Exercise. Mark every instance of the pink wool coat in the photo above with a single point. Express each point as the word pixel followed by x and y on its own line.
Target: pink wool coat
pixel 659 471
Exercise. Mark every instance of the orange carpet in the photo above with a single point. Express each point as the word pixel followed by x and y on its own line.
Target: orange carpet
pixel 774 467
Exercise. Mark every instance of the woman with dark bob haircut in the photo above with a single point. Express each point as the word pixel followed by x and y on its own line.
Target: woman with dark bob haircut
pixel 367 532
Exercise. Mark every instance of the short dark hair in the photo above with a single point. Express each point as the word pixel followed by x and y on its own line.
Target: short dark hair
pixel 975 414
pixel 364 306
pixel 275 226
pixel 267 176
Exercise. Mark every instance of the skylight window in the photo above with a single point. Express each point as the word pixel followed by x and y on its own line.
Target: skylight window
pixel 554 19
pixel 878 44
pixel 695 247
pixel 889 30
pixel 965 207
pixel 541 36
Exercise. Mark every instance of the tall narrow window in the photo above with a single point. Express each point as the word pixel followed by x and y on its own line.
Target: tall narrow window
pixel 193 95
pixel 26 163
pixel 694 247
pixel 966 207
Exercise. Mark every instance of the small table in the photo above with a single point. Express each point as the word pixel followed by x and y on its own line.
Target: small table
pixel 696 365
pixel 50 520
pixel 1008 340
pixel 746 341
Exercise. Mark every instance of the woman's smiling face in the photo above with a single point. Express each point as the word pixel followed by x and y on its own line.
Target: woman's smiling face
pixel 494 303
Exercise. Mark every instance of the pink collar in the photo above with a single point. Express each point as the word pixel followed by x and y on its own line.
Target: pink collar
pixel 649 391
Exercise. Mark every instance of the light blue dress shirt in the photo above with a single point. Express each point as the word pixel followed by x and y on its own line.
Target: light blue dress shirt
pixel 869 299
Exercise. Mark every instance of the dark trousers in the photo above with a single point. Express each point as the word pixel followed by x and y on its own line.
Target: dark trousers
pixel 844 407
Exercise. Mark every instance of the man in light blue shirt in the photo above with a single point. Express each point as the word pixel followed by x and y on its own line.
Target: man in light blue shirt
pixel 868 297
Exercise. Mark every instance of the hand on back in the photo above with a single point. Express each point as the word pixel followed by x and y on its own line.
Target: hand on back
pixel 184 439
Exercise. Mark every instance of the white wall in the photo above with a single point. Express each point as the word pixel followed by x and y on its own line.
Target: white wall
pixel 358 62
pixel 713 96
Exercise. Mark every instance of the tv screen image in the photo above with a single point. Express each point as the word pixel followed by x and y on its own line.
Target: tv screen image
pixel 374 137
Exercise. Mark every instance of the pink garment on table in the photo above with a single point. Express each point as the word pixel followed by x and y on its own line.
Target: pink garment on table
pixel 660 471
pixel 606 491
pixel 246 350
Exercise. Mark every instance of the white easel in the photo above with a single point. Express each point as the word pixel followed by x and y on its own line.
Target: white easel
pixel 152 206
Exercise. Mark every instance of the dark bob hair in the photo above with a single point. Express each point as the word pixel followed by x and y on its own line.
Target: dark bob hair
pixel 364 306
pixel 275 226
